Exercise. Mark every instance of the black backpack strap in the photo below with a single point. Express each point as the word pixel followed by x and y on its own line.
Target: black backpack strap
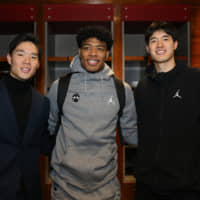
pixel 120 89
pixel 121 94
pixel 62 90
pixel 63 85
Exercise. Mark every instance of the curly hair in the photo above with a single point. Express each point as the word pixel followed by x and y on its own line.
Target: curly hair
pixel 98 32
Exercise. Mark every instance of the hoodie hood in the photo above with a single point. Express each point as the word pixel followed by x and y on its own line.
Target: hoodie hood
pixel 76 67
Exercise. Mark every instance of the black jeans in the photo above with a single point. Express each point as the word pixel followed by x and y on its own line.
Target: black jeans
pixel 144 192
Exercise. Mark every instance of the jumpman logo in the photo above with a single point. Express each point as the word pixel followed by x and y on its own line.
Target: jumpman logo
pixel 111 100
pixel 177 94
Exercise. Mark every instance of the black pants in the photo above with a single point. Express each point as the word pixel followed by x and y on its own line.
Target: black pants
pixel 143 192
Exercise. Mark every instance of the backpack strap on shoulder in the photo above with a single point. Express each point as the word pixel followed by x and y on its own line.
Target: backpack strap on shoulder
pixel 62 90
pixel 121 94
pixel 120 89
pixel 63 85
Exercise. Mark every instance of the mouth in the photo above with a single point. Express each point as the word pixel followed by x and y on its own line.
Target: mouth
pixel 25 70
pixel 92 62
pixel 160 52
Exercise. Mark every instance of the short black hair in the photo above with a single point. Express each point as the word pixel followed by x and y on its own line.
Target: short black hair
pixel 167 27
pixel 25 37
pixel 99 32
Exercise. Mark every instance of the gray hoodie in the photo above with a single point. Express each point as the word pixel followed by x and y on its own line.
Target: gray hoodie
pixel 85 154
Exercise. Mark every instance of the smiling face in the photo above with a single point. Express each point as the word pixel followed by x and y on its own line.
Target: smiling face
pixel 161 48
pixel 24 61
pixel 93 54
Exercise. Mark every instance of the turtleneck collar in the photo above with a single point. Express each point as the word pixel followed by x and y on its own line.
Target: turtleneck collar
pixel 16 85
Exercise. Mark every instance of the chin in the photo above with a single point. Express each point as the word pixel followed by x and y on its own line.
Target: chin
pixel 92 70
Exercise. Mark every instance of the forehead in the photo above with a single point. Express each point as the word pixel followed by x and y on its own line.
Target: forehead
pixel 27 46
pixel 94 41
pixel 159 33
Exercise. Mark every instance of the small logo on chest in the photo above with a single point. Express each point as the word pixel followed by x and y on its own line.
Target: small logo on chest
pixel 111 100
pixel 177 95
pixel 75 97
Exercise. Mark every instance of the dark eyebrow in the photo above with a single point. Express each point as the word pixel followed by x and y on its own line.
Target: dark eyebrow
pixel 99 45
pixel 35 54
pixel 152 38
pixel 22 51
pixel 163 36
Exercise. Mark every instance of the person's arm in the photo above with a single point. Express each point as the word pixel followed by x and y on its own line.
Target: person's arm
pixel 53 116
pixel 128 120
pixel 47 142
pixel 48 137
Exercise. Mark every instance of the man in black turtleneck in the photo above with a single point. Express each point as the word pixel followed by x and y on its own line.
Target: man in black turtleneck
pixel 19 91
pixel 167 104
pixel 23 123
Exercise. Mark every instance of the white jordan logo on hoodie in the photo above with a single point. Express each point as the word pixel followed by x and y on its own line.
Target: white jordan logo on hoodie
pixel 177 94
pixel 111 100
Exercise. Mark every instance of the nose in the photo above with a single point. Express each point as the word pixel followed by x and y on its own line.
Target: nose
pixel 159 43
pixel 27 59
pixel 93 51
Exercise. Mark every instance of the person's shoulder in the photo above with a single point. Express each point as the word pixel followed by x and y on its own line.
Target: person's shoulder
pixel 2 83
pixel 39 95
pixel 128 88
pixel 54 85
pixel 192 71
pixel 126 85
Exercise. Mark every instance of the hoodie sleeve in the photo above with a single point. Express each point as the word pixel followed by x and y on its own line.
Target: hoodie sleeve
pixel 53 116
pixel 128 120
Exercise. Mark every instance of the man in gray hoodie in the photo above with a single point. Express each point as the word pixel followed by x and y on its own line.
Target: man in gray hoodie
pixel 84 159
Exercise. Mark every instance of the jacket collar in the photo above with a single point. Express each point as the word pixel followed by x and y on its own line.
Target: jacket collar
pixel 163 78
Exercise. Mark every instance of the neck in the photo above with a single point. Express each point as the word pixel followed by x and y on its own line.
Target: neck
pixel 164 67
pixel 17 85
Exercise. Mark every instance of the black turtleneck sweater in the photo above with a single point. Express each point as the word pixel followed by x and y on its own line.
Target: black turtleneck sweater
pixel 21 98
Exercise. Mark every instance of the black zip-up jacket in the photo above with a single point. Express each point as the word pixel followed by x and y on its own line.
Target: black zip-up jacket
pixel 168 109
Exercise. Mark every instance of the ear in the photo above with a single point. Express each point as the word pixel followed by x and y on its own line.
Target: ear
pixel 147 49
pixel 38 65
pixel 107 54
pixel 9 59
pixel 79 52
pixel 175 45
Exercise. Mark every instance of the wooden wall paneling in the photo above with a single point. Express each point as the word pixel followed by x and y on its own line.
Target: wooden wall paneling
pixel 117 37
pixel 40 28
pixel 195 36
pixel 128 191
pixel 18 1
pixel 39 84
pixel 78 1
pixel 167 2
pixel 117 67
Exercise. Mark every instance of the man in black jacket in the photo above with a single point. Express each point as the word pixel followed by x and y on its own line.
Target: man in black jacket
pixel 23 123
pixel 167 103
